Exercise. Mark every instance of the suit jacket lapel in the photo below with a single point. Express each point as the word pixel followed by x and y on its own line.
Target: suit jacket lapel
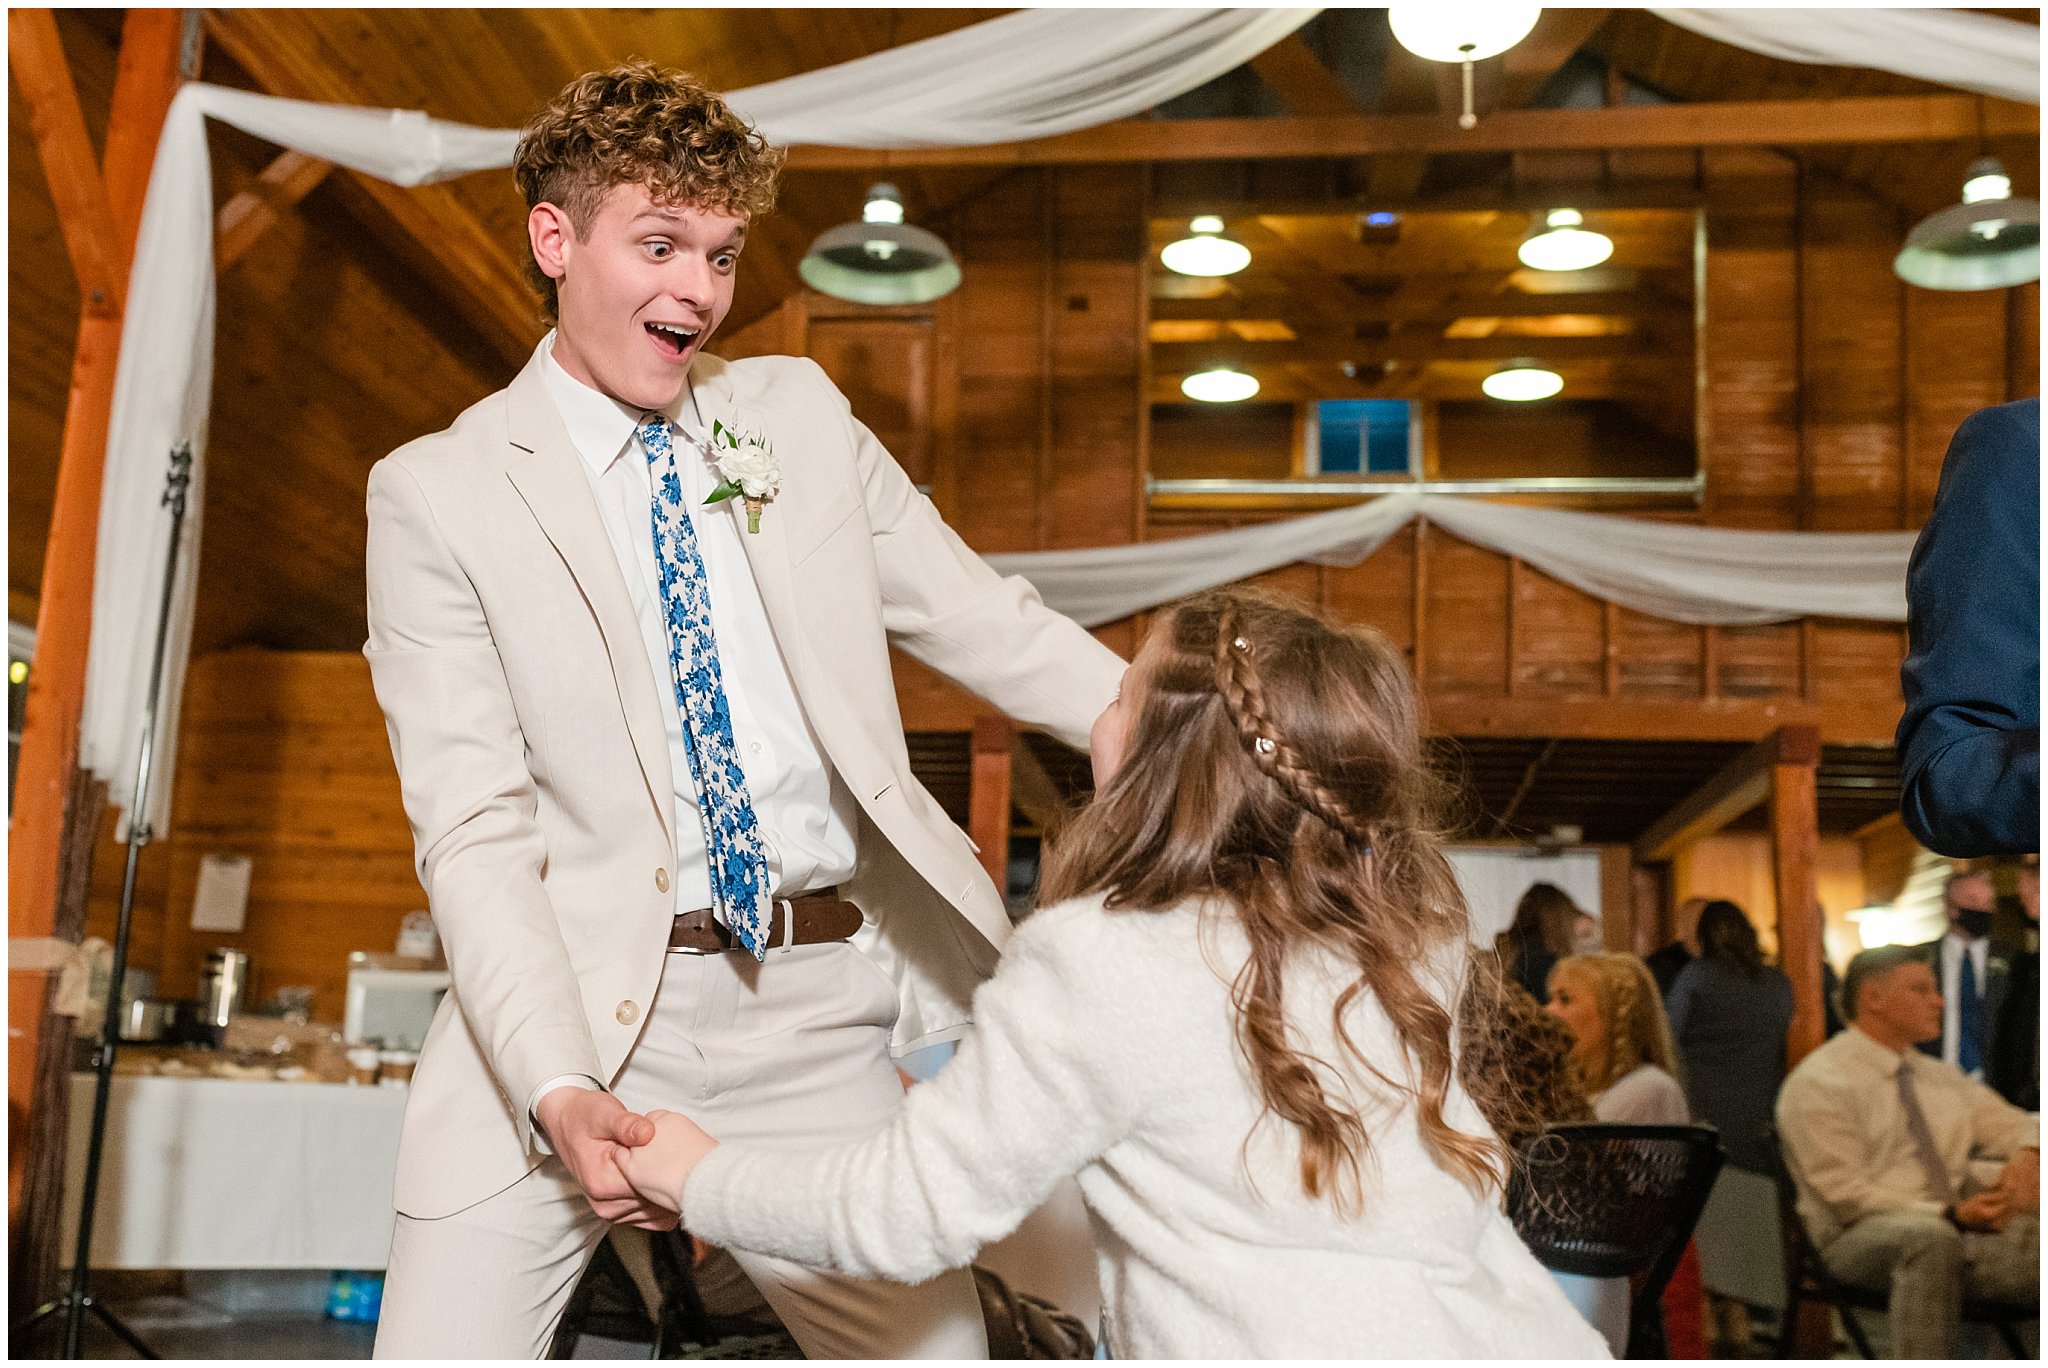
pixel 767 550
pixel 550 479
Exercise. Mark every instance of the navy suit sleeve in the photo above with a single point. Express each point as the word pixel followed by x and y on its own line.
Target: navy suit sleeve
pixel 1970 740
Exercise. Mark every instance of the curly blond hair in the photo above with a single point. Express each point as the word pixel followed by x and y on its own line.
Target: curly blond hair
pixel 641 124
pixel 1631 1017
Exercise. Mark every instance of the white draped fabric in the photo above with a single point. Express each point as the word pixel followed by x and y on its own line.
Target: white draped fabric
pixel 1951 47
pixel 1023 76
pixel 1686 574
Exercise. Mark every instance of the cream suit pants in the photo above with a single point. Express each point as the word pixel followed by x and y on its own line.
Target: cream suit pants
pixel 790 1052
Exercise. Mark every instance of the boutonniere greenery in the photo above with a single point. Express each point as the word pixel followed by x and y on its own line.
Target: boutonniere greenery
pixel 746 466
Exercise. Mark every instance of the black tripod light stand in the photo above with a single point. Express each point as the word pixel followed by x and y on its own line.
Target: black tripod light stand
pixel 76 1300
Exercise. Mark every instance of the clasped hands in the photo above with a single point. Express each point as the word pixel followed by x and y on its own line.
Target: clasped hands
pixel 2018 1190
pixel 630 1167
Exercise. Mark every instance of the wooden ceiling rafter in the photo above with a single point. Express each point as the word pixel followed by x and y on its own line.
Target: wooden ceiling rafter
pixel 252 213
pixel 1292 71
pixel 70 166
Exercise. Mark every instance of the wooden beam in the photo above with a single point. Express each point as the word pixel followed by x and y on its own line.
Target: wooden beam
pixel 1443 309
pixel 1741 785
pixel 159 52
pixel 1291 70
pixel 65 149
pixel 249 215
pixel 1795 855
pixel 1756 123
pixel 1493 197
pixel 427 226
pixel 1032 790
pixel 1176 358
pixel 1528 65
pixel 989 795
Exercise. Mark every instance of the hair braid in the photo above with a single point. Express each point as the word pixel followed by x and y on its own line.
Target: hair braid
pixel 1237 679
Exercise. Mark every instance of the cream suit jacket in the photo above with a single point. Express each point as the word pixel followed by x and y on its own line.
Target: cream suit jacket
pixel 527 730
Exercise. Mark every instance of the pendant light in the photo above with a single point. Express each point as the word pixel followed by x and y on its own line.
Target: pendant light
pixel 881 259
pixel 1521 382
pixel 1987 242
pixel 1220 386
pixel 1463 33
pixel 1560 243
pixel 1205 252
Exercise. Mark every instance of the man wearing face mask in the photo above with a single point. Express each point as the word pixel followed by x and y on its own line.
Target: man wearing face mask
pixel 1974 975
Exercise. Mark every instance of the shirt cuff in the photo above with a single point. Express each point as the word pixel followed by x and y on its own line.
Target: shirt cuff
pixel 541 1142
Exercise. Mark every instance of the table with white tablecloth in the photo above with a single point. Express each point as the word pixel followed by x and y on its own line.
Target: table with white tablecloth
pixel 232 1173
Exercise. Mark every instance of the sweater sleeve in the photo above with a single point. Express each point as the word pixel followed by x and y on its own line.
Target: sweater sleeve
pixel 1027 1100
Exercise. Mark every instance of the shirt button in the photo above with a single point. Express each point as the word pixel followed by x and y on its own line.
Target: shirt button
pixel 661 879
pixel 627 1014
pixel 755 747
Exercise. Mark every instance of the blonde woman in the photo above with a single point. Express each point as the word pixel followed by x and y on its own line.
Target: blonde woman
pixel 1624 1055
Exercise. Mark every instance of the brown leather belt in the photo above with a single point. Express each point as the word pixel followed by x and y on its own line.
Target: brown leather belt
pixel 812 919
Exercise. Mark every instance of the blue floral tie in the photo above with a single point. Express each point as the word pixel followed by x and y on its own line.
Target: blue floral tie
pixel 732 831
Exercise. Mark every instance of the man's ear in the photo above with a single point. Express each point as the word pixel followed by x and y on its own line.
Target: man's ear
pixel 552 237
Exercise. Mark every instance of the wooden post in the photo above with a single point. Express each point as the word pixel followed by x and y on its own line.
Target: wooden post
pixel 1795 850
pixel 55 815
pixel 988 796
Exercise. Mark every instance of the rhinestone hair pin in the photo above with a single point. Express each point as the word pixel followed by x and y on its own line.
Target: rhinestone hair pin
pixel 1265 745
pixel 1241 644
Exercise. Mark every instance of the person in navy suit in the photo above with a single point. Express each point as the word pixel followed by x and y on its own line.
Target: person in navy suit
pixel 1970 741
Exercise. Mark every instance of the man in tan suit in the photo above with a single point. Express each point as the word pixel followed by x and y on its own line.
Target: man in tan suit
pixel 650 749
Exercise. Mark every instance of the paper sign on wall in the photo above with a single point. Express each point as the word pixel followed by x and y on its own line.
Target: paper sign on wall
pixel 222 901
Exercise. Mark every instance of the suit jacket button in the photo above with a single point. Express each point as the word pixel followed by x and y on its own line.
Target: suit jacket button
pixel 627 1014
pixel 661 879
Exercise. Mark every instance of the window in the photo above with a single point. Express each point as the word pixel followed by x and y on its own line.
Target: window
pixel 21 646
pixel 1361 437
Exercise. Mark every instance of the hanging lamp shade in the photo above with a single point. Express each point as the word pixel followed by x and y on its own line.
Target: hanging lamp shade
pixel 1205 251
pixel 881 259
pixel 1560 242
pixel 1522 382
pixel 1987 242
pixel 1452 32
pixel 1220 386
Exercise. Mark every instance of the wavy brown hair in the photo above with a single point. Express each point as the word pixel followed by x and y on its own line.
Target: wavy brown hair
pixel 1515 1059
pixel 1631 1018
pixel 641 124
pixel 1275 762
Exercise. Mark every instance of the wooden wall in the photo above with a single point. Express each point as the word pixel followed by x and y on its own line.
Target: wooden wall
pixel 282 758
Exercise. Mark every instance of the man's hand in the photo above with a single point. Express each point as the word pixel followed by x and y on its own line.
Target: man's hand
pixel 1986 1211
pixel 590 1130
pixel 2020 1180
pixel 658 1169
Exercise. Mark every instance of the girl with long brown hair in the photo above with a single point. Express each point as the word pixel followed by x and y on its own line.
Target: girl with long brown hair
pixel 1233 1022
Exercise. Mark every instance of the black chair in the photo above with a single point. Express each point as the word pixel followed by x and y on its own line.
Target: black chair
pixel 1615 1201
pixel 607 1302
pixel 1807 1280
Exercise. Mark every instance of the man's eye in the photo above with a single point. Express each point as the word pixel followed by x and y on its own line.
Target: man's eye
pixel 659 249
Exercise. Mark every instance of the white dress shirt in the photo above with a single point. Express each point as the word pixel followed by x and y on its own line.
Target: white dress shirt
pixel 1953 948
pixel 806 813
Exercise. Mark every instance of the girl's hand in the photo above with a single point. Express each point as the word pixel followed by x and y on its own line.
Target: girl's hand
pixel 658 1169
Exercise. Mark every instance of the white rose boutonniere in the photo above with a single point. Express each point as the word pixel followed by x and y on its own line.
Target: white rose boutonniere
pixel 746 466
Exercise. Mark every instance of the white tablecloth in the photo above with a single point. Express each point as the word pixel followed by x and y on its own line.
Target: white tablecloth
pixel 222 1173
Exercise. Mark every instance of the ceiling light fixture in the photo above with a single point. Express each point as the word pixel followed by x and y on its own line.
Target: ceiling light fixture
pixel 1220 386
pixel 1987 242
pixel 881 259
pixel 1521 382
pixel 1205 252
pixel 1559 242
pixel 1463 33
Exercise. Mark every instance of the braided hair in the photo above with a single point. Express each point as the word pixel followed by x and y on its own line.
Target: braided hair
pixel 1275 764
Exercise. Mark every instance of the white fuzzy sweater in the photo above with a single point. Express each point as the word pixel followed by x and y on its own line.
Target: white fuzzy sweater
pixel 1104 1048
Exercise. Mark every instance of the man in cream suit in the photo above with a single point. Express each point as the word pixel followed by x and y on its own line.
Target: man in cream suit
pixel 651 754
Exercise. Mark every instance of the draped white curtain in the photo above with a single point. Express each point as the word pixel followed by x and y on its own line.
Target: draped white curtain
pixel 1980 52
pixel 1686 574
pixel 1025 75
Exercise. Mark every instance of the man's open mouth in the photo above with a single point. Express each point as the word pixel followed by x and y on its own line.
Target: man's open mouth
pixel 670 338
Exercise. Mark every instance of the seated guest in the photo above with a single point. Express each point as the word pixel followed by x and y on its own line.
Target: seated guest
pixel 1234 1024
pixel 1666 963
pixel 1886 1145
pixel 2014 1069
pixel 1973 976
pixel 1624 1055
pixel 1729 1012
pixel 1970 738
pixel 1546 922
